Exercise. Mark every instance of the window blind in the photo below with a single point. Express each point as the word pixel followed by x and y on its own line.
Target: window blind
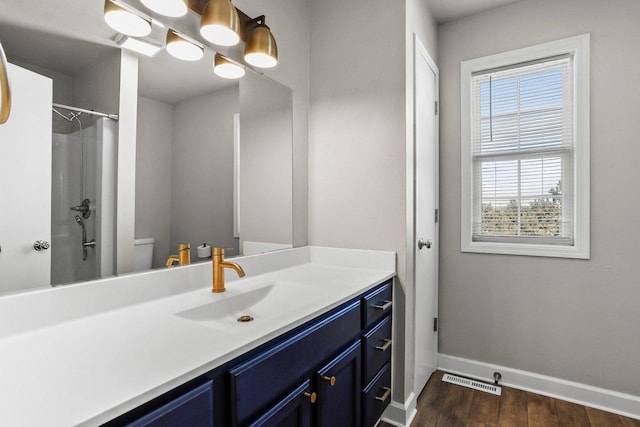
pixel 522 136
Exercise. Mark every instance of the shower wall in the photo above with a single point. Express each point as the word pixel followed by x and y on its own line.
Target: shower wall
pixel 71 183
pixel 67 265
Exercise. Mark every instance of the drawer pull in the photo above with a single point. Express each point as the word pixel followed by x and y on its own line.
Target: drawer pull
pixel 385 346
pixel 385 396
pixel 312 396
pixel 384 306
pixel 331 379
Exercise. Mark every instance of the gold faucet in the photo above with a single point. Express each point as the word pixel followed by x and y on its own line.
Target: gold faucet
pixel 183 257
pixel 219 264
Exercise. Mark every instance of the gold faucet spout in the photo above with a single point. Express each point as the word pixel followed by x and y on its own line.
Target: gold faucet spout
pixel 183 257
pixel 234 266
pixel 171 260
pixel 219 264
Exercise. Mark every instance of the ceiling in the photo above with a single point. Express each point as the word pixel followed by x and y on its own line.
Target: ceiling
pixel 449 10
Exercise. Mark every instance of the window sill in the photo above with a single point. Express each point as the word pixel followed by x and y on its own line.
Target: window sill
pixel 552 251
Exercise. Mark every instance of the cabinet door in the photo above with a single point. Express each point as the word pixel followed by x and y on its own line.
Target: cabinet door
pixel 194 408
pixel 292 411
pixel 339 387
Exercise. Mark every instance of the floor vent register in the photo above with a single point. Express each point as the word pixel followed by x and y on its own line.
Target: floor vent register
pixel 474 384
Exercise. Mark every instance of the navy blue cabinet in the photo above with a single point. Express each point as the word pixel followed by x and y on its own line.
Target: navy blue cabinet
pixel 292 411
pixel 338 388
pixel 376 346
pixel 331 371
pixel 259 382
pixel 194 408
pixel 376 396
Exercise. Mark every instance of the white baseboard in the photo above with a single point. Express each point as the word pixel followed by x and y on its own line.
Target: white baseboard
pixel 583 394
pixel 401 415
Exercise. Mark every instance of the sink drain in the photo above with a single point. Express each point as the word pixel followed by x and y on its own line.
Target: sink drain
pixel 245 318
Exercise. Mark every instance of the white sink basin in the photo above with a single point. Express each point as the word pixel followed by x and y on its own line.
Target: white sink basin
pixel 260 301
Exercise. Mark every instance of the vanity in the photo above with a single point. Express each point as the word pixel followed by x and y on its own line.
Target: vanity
pixel 169 352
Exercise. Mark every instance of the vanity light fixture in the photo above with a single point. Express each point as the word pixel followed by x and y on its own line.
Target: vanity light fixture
pixel 179 46
pixel 136 45
pixel 226 69
pixel 171 8
pixel 126 21
pixel 261 49
pixel 220 23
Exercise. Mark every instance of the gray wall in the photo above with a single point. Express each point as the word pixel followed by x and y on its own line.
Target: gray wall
pixel 98 86
pixel 202 171
pixel 570 319
pixel 290 21
pixel 357 139
pixel 153 175
pixel 358 135
pixel 265 160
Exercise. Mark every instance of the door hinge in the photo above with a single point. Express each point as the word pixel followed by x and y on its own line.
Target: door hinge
pixel 437 215
pixel 435 324
pixel 436 109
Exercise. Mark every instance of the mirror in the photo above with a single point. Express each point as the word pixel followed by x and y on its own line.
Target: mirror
pixel 213 156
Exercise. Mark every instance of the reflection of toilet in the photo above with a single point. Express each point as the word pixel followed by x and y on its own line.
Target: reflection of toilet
pixel 143 253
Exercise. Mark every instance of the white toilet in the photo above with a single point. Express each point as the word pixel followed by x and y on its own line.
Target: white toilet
pixel 143 253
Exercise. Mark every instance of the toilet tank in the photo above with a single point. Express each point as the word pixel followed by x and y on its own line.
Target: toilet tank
pixel 143 253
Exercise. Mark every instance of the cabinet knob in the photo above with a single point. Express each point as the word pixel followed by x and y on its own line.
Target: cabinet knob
pixel 312 396
pixel 331 379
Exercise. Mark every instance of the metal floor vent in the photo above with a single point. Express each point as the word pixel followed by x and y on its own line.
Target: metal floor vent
pixel 476 385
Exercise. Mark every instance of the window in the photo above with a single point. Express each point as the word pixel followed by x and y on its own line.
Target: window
pixel 525 151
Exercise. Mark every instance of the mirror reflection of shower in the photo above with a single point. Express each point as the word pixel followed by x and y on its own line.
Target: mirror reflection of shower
pixel 83 155
pixel 85 206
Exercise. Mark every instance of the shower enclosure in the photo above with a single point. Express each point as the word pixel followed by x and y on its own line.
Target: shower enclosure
pixel 82 195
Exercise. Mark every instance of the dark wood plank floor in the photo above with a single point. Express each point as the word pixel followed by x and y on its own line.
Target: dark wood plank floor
pixel 446 405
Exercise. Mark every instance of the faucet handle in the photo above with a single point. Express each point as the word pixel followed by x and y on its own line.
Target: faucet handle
pixel 217 251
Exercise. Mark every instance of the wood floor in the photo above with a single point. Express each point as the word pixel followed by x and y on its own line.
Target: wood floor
pixel 443 404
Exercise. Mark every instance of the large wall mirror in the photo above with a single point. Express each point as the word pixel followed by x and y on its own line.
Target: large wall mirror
pixel 213 156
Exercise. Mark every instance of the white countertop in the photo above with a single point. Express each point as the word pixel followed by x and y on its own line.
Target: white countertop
pixel 87 365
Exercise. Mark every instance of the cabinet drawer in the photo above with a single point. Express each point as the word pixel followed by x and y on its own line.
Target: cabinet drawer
pixel 194 408
pixel 376 304
pixel 377 348
pixel 261 381
pixel 377 396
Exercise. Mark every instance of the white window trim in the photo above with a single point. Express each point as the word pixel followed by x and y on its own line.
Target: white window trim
pixel 578 47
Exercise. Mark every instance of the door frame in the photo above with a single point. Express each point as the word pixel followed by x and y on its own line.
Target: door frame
pixel 412 238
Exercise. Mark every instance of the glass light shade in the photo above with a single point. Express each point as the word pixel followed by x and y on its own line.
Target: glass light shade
pixel 172 8
pixel 220 23
pixel 226 69
pixel 124 21
pixel 261 49
pixel 181 48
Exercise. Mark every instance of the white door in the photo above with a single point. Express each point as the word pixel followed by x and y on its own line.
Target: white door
pixel 25 183
pixel 426 259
